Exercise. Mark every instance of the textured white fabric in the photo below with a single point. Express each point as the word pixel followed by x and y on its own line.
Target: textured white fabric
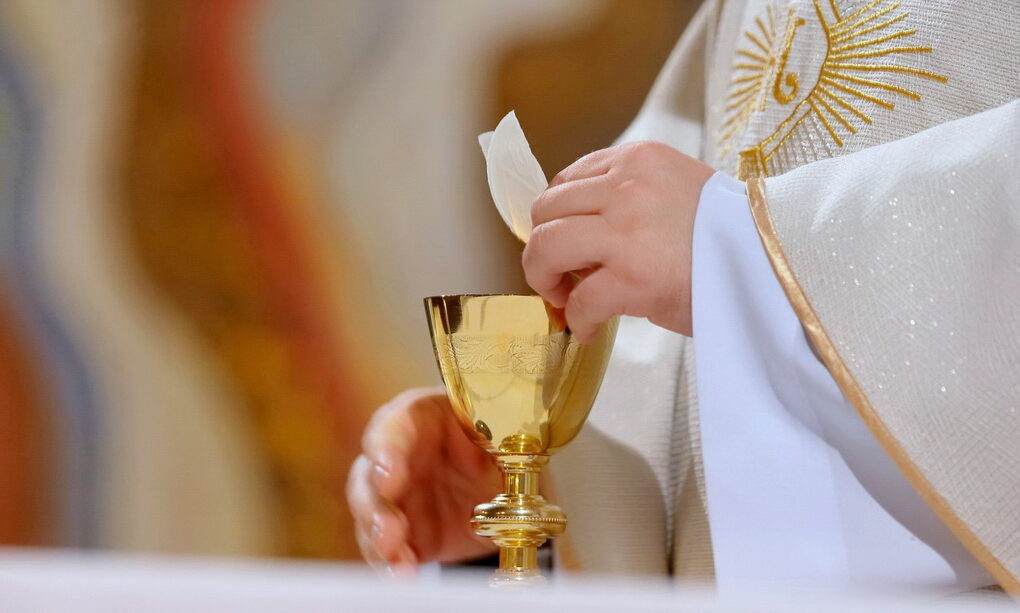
pixel 910 255
pixel 797 486
pixel 614 479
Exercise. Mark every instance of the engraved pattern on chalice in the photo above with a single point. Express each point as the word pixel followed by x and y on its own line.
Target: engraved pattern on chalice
pixel 521 388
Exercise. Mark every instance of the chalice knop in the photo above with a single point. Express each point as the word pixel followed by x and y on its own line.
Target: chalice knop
pixel 521 387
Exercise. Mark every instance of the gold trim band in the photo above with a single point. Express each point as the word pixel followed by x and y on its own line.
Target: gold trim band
pixel 853 392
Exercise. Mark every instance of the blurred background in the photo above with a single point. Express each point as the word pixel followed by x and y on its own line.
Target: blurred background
pixel 217 222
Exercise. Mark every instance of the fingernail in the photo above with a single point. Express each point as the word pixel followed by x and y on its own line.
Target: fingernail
pixel 375 530
pixel 385 461
pixel 379 474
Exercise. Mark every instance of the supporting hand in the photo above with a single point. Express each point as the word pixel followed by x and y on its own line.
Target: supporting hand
pixel 413 488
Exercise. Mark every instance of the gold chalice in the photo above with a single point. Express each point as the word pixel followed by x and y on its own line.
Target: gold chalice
pixel 521 387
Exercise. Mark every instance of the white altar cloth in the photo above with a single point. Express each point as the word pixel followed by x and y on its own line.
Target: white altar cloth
pixel 57 580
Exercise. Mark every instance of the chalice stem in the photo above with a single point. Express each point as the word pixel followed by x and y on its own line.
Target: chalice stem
pixel 520 484
pixel 518 559
pixel 519 520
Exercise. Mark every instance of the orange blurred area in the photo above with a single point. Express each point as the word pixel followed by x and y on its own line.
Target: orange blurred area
pixel 219 219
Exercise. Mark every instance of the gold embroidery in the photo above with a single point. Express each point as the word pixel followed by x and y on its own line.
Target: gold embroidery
pixel 848 77
pixel 864 54
pixel 747 93
pixel 788 79
pixel 835 10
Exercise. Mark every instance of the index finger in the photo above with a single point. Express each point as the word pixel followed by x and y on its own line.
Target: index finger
pixel 579 197
pixel 395 432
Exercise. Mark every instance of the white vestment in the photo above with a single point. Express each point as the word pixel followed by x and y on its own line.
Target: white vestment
pixel 799 492
pixel 887 135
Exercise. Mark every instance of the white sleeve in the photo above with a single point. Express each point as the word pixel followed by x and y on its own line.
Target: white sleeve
pixel 799 492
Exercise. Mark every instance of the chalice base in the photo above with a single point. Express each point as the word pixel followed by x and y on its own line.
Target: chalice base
pixel 504 579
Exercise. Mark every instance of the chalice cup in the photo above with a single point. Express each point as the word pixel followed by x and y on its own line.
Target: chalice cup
pixel 521 387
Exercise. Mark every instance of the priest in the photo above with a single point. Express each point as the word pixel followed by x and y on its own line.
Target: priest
pixel 812 230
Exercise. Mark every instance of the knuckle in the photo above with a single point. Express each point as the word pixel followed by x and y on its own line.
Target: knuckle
pixel 567 173
pixel 397 410
pixel 645 151
pixel 368 435
pixel 544 207
pixel 409 397
pixel 529 257
pixel 539 207
pixel 627 149
pixel 539 237
pixel 635 151
pixel 403 404
pixel 585 161
pixel 578 168
pixel 542 237
pixel 651 147
pixel 379 423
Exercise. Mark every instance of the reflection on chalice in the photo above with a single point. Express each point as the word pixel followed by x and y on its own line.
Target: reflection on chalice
pixel 521 387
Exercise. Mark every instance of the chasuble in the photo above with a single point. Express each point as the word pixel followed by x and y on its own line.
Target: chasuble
pixel 878 140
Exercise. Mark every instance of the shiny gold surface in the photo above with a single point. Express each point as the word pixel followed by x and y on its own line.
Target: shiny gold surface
pixel 521 387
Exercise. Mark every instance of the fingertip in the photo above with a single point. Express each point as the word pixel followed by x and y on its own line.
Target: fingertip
pixel 583 333
pixel 406 558
pixel 558 294
pixel 388 534
pixel 402 565
pixel 557 298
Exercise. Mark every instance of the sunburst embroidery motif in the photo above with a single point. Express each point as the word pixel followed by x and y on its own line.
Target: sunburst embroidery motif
pixel 861 47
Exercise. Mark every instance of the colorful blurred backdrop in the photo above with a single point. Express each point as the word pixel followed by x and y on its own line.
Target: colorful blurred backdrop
pixel 217 221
